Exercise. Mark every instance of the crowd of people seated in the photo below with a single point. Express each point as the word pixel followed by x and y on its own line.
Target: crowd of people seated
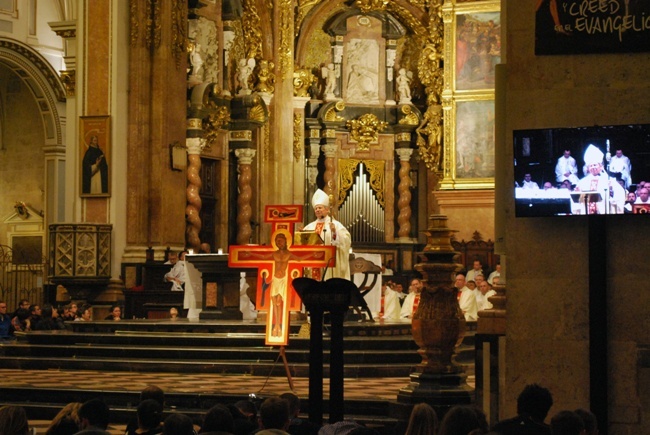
pixel 33 317
pixel 281 416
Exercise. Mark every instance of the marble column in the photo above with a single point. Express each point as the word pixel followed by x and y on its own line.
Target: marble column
pixel 329 149
pixel 244 210
pixel 404 190
pixel 194 146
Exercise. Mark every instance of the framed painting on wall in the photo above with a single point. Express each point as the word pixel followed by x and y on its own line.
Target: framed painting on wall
pixel 95 151
pixel 470 163
pixel 478 49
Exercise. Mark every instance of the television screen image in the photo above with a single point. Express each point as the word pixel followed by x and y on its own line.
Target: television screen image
pixel 582 170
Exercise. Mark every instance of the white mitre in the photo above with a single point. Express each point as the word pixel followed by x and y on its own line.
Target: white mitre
pixel 593 155
pixel 320 198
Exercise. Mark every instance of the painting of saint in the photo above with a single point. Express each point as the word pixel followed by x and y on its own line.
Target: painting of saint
pixel 94 160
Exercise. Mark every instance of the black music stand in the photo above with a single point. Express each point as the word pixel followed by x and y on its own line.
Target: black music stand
pixel 332 295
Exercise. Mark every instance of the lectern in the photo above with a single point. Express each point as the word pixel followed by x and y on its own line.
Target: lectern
pixel 333 296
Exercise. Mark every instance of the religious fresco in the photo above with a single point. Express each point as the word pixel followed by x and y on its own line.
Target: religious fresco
pixel 478 49
pixel 474 139
pixel 95 147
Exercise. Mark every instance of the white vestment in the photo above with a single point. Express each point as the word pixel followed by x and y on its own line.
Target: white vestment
pixel 566 166
pixel 468 304
pixel 343 241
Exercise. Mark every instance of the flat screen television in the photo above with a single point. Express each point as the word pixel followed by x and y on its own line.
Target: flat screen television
pixel 582 170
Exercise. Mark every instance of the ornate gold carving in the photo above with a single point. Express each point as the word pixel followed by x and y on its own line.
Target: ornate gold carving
pixel 267 141
pixel 265 77
pixel 302 81
pixel 69 81
pixel 346 178
pixel 303 8
pixel 135 21
pixel 179 30
pixel 330 114
pixel 297 142
pixel 319 49
pixel 240 135
pixel 431 127
pixel 329 133
pixel 409 118
pixel 257 112
pixel 286 38
pixel 403 137
pixel 365 130
pixel 66 33
pixel 214 123
pixel 371 5
pixel 153 35
pixel 194 124
pixel 251 26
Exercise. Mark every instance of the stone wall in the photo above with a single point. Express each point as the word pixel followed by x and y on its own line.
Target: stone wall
pixel 22 161
pixel 547 267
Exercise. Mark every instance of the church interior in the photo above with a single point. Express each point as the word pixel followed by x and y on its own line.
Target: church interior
pixel 158 126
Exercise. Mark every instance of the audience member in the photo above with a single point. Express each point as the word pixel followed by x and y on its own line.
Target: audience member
pixel 567 423
pixel 244 413
pixel 50 319
pixel 485 291
pixel 66 422
pixel 423 420
pixel 495 272
pixel 589 421
pixel 94 417
pixel 477 268
pixel 149 418
pixel 24 303
pixel 217 421
pixel 150 392
pixel 462 420
pixel 34 314
pixel 412 300
pixel 21 322
pixel 533 405
pixel 13 421
pixel 115 313
pixel 178 424
pixel 528 183
pixel 297 425
pixel 85 314
pixel 466 299
pixel 274 416
pixel 642 196
pixel 173 313
pixel 5 322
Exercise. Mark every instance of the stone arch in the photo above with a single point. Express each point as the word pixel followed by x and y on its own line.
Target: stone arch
pixel 43 82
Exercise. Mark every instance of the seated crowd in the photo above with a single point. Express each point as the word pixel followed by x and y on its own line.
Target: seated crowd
pixel 33 317
pixel 474 291
pixel 280 416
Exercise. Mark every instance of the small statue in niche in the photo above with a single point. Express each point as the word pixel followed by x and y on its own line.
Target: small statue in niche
pixel 330 74
pixel 197 62
pixel 244 71
pixel 403 82
pixel 265 78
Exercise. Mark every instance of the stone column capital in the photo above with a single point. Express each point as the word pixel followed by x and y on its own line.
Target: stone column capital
pixel 404 153
pixel 194 145
pixel 329 150
pixel 245 155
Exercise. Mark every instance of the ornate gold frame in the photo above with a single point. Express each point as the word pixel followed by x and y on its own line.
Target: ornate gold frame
pixel 453 97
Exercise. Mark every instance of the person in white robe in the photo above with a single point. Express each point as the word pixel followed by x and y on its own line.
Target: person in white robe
pixel 333 233
pixel 485 292
pixel 566 168
pixel 609 195
pixel 390 308
pixel 619 163
pixel 467 299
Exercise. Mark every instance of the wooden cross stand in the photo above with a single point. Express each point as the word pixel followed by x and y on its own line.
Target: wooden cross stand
pixel 278 265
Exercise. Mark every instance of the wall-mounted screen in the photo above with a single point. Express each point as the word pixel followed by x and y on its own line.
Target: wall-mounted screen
pixel 582 170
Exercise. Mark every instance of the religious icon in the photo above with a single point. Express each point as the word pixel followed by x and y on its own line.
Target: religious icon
pixel 95 155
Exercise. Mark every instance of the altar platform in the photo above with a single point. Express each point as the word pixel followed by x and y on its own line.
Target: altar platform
pixel 201 363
